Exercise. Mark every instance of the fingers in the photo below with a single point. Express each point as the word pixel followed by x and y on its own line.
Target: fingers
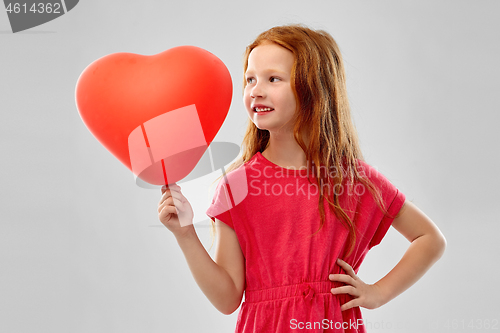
pixel 349 278
pixel 364 295
pixel 166 187
pixel 166 210
pixel 351 287
pixel 347 268
pixel 173 190
pixel 172 196
pixel 351 304
pixel 170 201
pixel 342 278
pixel 165 193
pixel 345 290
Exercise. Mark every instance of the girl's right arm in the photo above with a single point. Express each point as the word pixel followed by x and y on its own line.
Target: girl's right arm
pixel 222 281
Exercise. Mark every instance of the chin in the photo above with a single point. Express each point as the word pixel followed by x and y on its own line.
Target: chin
pixel 261 125
pixel 263 128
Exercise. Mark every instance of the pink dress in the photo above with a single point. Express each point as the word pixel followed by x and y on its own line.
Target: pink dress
pixel 274 212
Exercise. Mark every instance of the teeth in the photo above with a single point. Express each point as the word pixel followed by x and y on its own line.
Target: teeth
pixel 263 109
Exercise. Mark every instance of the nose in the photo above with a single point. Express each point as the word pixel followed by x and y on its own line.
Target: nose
pixel 257 91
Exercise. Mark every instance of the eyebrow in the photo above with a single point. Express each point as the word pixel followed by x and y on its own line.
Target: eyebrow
pixel 270 70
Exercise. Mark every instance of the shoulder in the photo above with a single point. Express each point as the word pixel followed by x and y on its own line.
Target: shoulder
pixel 371 173
pixel 239 172
pixel 366 169
pixel 386 189
pixel 247 169
pixel 235 182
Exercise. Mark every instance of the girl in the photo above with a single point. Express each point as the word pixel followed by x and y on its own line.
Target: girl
pixel 298 212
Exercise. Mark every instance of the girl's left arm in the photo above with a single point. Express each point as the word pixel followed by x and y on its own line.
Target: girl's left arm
pixel 427 246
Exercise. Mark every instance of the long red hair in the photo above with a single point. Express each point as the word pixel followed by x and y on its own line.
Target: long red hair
pixel 323 114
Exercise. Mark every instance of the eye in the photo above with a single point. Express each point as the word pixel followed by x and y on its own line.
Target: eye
pixel 250 80
pixel 274 79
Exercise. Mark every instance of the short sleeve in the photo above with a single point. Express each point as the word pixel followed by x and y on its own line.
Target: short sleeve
pixel 392 200
pixel 393 209
pixel 221 204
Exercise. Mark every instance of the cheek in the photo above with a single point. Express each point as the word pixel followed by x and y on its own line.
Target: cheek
pixel 247 101
pixel 290 99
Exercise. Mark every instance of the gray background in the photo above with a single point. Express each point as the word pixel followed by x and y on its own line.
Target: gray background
pixel 81 247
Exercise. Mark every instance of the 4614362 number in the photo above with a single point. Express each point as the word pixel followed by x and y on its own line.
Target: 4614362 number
pixel 36 8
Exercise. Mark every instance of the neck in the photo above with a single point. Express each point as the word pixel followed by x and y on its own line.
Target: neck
pixel 284 151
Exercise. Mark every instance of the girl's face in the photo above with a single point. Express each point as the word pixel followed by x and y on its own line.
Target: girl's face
pixel 268 95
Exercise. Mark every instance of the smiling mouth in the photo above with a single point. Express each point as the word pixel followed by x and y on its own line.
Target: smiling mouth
pixel 262 109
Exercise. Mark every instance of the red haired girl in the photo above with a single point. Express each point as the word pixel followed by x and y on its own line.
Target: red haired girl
pixel 297 213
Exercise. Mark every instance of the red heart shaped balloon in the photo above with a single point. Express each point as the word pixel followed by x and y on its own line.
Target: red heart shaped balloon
pixel 157 114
